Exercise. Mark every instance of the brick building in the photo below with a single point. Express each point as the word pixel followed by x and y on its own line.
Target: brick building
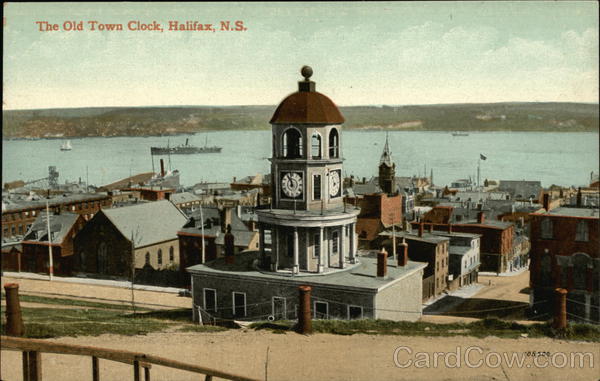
pixel 19 214
pixel 565 253
pixel 424 247
pixel 35 252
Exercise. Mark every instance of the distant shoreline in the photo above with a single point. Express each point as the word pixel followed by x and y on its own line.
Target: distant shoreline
pixel 182 120
pixel 353 129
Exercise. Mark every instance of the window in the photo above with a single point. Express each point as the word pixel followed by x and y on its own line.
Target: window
pixel 321 310
pixel 279 308
pixel 239 304
pixel 335 237
pixel 317 246
pixel 547 228
pixel 334 144
pixel 171 254
pixel 33 212
pixel 316 187
pixel 582 233
pixel 147 259
pixel 316 146
pixel 355 312
pixel 159 257
pixel 292 144
pixel 210 300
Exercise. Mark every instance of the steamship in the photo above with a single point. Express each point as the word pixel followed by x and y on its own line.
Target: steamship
pixel 185 149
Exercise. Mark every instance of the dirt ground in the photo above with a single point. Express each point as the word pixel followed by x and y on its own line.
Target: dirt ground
pixel 320 357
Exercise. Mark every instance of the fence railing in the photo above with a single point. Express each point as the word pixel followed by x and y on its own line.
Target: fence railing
pixel 32 360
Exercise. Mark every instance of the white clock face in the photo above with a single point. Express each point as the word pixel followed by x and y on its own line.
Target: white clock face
pixel 291 184
pixel 334 183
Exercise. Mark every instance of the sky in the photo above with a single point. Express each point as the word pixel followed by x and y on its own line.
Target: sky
pixel 361 53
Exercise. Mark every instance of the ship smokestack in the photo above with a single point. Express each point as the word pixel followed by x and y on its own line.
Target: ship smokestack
pixel 162 168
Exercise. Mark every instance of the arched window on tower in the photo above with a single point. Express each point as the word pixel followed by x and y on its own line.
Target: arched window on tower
pixel 292 144
pixel 334 142
pixel 316 146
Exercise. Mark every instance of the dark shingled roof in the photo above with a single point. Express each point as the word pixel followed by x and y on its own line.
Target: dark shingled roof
pixel 305 107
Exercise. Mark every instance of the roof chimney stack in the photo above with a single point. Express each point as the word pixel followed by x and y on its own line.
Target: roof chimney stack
pixel 480 218
pixel 403 255
pixel 546 203
pixel 579 197
pixel 162 168
pixel 382 263
pixel 421 229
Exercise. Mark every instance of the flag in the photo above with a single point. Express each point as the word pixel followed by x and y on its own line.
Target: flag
pixel 482 157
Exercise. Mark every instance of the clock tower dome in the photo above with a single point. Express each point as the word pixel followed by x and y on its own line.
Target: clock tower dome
pixel 309 227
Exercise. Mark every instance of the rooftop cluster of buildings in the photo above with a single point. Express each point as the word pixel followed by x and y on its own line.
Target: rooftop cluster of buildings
pixel 370 248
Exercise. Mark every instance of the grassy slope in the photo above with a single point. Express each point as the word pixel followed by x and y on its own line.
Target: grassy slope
pixel 101 318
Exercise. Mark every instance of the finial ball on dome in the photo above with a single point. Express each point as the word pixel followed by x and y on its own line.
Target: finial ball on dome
pixel 306 72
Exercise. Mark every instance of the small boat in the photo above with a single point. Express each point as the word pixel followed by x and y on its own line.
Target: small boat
pixel 66 146
pixel 184 149
pixel 459 133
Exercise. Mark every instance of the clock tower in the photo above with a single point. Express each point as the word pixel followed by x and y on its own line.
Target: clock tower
pixel 307 227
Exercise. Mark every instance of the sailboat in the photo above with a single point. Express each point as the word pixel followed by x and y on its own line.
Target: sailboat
pixel 66 146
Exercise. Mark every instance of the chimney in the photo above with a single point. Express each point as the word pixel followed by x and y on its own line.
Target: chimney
pixel 403 254
pixel 480 218
pixel 234 179
pixel 382 263
pixel 162 168
pixel 578 198
pixel 449 227
pixel 364 180
pixel 229 243
pixel 420 229
pixel 351 181
pixel 546 203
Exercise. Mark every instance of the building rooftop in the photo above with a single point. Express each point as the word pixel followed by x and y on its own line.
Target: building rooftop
pixel 427 237
pixel 307 106
pixel 571 212
pixel 359 276
pixel 11 204
pixel 60 224
pixel 148 223
pixel 183 197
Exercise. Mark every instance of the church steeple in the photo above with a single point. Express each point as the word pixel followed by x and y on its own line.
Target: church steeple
pixel 386 156
pixel 387 170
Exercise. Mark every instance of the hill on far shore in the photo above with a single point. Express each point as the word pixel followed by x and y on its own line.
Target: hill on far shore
pixel 141 121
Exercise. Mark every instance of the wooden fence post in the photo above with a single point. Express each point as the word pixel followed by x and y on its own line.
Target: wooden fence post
pixel 95 369
pixel 560 308
pixel 32 366
pixel 136 370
